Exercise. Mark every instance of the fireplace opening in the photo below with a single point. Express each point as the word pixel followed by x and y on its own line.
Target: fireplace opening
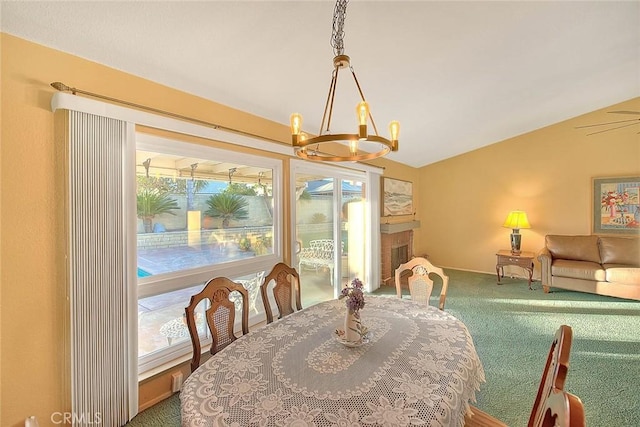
pixel 399 255
pixel 396 249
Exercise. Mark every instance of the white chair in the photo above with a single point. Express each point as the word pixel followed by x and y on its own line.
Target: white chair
pixel 420 285
pixel 253 288
pixel 319 254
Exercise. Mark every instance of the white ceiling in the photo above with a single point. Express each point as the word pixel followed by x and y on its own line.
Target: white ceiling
pixel 457 75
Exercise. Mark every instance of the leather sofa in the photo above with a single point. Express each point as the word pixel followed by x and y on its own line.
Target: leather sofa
pixel 597 264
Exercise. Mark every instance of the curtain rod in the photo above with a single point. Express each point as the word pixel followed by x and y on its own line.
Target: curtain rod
pixel 75 91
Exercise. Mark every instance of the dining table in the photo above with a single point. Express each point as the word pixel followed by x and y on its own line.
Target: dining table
pixel 416 365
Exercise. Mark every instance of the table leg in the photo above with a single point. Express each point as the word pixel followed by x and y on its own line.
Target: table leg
pixel 498 268
pixel 530 270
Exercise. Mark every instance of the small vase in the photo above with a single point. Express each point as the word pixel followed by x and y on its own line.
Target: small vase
pixel 352 327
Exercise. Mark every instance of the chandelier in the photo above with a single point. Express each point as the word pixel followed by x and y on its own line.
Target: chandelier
pixel 309 148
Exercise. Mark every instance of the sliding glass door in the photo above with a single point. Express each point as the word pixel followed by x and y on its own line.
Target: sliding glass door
pixel 331 217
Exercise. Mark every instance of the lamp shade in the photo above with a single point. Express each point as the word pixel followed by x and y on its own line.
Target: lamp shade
pixel 516 220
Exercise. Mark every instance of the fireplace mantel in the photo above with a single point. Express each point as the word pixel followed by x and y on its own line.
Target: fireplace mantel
pixel 399 227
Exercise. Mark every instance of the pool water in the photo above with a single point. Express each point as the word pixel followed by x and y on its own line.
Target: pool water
pixel 142 273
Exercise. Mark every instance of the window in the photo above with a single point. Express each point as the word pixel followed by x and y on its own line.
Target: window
pixel 202 213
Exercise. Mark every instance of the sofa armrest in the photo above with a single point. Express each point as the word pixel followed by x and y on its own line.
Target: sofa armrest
pixel 545 258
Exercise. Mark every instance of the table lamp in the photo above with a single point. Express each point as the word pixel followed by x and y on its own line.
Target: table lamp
pixel 516 220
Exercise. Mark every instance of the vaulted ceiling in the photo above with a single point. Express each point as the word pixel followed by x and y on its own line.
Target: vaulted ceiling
pixel 457 75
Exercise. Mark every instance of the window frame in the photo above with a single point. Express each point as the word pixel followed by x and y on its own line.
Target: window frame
pixel 156 285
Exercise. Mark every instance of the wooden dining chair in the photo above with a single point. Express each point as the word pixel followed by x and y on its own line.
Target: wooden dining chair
pixel 220 315
pixel 562 409
pixel 420 284
pixel 552 382
pixel 286 284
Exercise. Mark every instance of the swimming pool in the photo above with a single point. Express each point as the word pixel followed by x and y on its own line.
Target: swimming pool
pixel 143 273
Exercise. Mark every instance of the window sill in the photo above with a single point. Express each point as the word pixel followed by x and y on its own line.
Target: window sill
pixel 157 370
pixel 163 368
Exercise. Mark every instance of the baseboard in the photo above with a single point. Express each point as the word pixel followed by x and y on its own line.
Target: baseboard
pixel 493 273
pixel 155 400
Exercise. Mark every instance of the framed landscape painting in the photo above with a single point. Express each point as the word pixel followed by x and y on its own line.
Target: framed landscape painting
pixel 616 205
pixel 397 197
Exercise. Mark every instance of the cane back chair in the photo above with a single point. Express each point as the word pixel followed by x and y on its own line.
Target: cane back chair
pixel 220 315
pixel 286 285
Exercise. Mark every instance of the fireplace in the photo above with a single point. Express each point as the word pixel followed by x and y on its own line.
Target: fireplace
pixel 396 248
pixel 399 255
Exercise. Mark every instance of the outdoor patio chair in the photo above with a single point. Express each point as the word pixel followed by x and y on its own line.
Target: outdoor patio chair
pixel 420 285
pixel 552 407
pixel 287 283
pixel 219 316
pixel 253 289
pixel 319 254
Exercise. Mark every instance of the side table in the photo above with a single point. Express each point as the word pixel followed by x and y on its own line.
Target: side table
pixel 524 259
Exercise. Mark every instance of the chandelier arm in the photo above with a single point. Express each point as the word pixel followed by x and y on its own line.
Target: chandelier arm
pixel 328 106
pixel 355 79
pixel 333 97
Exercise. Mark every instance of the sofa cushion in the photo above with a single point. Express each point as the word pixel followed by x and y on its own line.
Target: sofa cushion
pixel 580 248
pixel 584 270
pixel 618 273
pixel 620 250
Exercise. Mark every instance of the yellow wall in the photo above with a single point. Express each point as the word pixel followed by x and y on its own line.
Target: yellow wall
pixel 33 353
pixel 547 173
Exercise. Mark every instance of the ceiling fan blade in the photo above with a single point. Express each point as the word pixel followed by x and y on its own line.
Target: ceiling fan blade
pixel 618 127
pixel 608 123
pixel 624 112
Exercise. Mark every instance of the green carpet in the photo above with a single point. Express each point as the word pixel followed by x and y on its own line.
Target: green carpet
pixel 512 328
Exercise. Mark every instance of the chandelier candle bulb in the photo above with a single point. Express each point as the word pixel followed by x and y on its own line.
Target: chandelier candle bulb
pixel 363 112
pixel 296 126
pixel 394 130
pixel 353 147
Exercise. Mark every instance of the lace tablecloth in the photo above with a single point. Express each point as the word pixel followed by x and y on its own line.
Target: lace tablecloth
pixel 420 367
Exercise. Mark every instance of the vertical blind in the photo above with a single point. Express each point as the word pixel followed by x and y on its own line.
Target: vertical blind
pixel 99 293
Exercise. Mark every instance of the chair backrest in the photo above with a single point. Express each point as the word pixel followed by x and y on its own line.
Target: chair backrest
pixel 554 374
pixel 220 315
pixel 562 409
pixel 553 407
pixel 420 285
pixel 287 282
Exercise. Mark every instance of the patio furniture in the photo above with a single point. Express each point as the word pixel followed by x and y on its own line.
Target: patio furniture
pixel 319 254
pixel 253 288
pixel 175 328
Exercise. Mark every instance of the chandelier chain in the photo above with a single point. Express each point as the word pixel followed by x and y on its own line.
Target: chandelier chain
pixel 337 36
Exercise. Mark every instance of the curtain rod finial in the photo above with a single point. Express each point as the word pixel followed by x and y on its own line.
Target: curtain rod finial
pixel 62 87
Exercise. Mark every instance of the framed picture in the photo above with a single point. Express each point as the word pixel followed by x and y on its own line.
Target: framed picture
pixel 397 197
pixel 616 205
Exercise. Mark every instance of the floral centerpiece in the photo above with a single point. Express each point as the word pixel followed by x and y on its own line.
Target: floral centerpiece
pixel 354 331
pixel 354 295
